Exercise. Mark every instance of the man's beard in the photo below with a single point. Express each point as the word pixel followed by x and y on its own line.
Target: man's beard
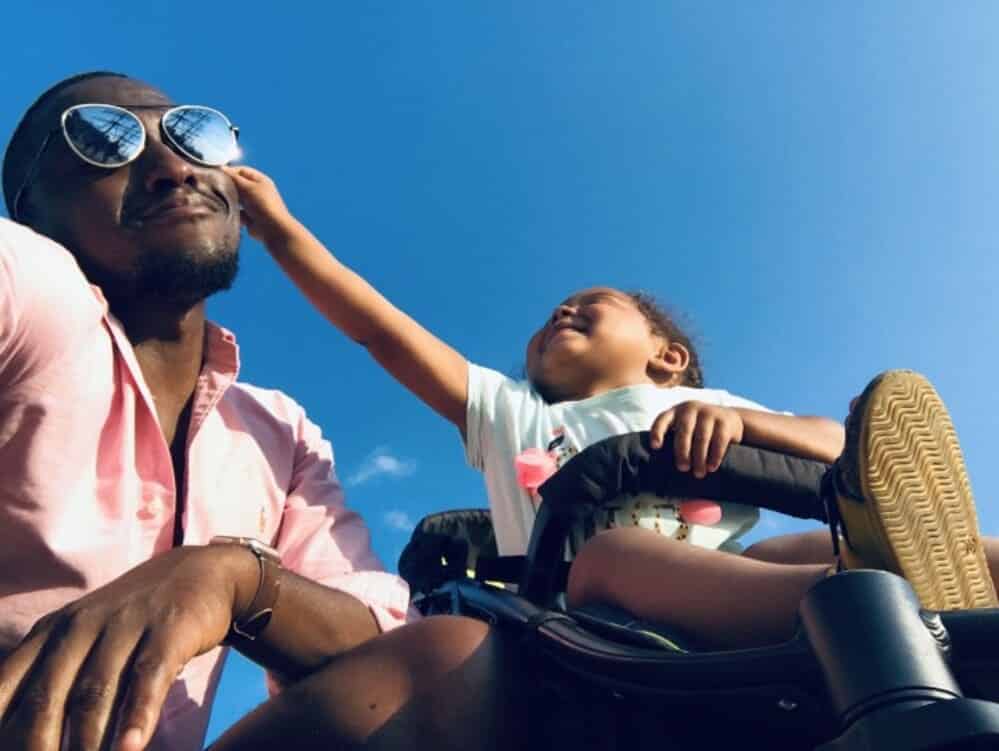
pixel 180 279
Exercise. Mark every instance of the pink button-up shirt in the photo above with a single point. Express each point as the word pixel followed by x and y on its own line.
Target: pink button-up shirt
pixel 87 487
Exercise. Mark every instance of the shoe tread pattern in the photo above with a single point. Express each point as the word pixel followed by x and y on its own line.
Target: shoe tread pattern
pixel 918 497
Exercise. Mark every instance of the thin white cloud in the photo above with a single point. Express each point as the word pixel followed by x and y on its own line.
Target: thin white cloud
pixel 381 463
pixel 771 522
pixel 398 520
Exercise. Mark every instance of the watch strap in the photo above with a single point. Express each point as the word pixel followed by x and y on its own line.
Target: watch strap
pixel 252 621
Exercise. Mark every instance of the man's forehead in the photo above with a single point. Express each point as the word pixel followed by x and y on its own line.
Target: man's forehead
pixel 107 90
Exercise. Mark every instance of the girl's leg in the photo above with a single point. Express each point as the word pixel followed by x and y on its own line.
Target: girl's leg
pixel 801 547
pixel 726 600
pixel 815 547
pixel 442 683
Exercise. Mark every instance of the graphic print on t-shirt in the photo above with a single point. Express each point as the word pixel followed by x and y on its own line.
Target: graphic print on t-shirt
pixel 659 514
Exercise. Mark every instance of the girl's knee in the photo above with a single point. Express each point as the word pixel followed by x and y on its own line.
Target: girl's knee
pixel 773 550
pixel 796 548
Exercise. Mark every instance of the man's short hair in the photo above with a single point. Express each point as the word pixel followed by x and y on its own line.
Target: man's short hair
pixel 22 147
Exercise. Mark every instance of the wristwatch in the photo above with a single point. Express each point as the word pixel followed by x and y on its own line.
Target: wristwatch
pixel 254 619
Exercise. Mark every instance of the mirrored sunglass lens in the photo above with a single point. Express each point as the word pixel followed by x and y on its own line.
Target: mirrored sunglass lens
pixel 201 133
pixel 105 135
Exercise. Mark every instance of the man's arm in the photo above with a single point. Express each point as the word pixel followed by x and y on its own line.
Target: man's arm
pixel 424 364
pixel 111 656
pixel 339 595
pixel 311 624
pixel 108 659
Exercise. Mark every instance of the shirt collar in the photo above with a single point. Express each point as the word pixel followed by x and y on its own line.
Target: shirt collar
pixel 221 351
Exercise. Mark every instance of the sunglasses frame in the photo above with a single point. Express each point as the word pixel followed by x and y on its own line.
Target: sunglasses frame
pixel 172 142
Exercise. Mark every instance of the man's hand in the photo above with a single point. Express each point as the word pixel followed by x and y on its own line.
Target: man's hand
pixel 701 435
pixel 99 668
pixel 263 210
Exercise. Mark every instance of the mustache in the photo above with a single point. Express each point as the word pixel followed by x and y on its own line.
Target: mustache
pixel 142 207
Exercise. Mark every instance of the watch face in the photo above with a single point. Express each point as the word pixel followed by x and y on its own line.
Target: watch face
pixel 265 550
pixel 260 548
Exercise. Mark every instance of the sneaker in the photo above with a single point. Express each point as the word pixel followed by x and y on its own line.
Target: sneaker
pixel 902 495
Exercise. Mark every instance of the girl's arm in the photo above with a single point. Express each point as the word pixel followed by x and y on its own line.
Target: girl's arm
pixel 809 437
pixel 703 432
pixel 420 361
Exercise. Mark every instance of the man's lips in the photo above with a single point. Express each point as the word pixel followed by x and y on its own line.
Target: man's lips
pixel 176 207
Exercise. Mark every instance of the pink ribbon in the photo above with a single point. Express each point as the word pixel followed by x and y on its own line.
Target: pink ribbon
pixel 533 467
pixel 700 511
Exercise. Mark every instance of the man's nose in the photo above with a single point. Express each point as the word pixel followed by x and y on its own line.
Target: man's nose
pixel 163 168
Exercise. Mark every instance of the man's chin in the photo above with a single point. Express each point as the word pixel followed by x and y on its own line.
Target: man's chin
pixel 167 276
pixel 186 277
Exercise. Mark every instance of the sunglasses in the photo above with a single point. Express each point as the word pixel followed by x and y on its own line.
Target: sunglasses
pixel 109 136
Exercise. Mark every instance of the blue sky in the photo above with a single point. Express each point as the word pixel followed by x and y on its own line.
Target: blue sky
pixel 814 185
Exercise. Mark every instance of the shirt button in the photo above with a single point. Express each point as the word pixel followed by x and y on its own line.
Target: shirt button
pixel 150 508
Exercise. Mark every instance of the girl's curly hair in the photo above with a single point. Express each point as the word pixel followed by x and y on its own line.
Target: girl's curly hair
pixel 662 324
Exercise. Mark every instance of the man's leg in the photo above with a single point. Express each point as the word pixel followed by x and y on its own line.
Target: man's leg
pixel 441 683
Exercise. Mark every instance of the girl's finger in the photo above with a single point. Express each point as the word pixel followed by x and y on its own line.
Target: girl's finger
pixel 241 172
pixel 720 442
pixel 703 431
pixel 657 433
pixel 683 434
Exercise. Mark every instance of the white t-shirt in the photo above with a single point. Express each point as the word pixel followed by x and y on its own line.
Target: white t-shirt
pixel 505 417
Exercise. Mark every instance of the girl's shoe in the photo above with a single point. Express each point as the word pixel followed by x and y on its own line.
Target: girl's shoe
pixel 901 492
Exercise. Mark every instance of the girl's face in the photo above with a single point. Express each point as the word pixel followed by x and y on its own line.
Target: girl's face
pixel 595 341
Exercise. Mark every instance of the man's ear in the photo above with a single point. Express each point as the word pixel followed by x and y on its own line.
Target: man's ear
pixel 668 363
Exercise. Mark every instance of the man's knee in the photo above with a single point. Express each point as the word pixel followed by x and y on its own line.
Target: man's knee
pixel 450 682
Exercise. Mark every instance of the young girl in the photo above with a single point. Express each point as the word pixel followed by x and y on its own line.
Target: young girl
pixel 605 362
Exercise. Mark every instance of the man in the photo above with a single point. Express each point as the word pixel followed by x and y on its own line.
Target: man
pixel 127 448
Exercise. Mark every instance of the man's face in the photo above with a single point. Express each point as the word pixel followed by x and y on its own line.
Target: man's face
pixel 158 228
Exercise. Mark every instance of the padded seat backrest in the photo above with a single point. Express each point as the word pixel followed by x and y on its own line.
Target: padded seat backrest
pixel 446 546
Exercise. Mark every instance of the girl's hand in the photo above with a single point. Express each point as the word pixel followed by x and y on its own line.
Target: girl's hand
pixel 701 435
pixel 262 209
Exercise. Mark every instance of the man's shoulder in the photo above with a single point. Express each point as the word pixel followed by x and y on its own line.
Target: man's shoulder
pixel 14 235
pixel 273 402
pixel 30 252
pixel 277 422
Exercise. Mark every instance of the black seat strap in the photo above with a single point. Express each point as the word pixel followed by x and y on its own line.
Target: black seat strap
pixel 509 569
